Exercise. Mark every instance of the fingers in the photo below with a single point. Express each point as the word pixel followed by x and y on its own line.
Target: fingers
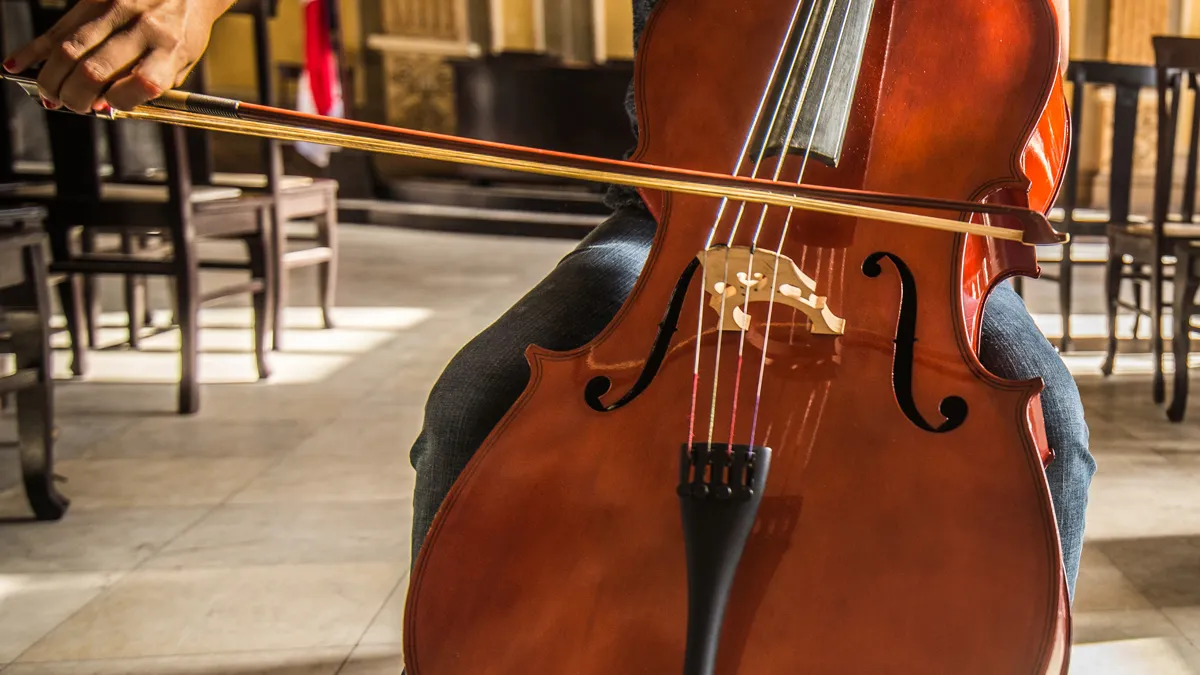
pixel 157 73
pixel 39 49
pixel 84 86
pixel 74 55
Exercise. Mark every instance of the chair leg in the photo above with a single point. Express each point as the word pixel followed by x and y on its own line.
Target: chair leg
pixel 71 297
pixel 135 296
pixel 1065 272
pixel 327 235
pixel 91 297
pixel 187 303
pixel 35 404
pixel 279 250
pixel 1139 292
pixel 261 257
pixel 1112 292
pixel 1156 332
pixel 1185 291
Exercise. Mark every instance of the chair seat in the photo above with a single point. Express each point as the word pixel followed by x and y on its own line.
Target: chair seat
pixel 131 192
pixel 25 167
pixel 1171 230
pixel 1090 216
pixel 258 181
pixel 1083 250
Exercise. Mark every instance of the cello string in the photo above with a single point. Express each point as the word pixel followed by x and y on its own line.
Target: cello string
pixel 766 135
pixel 761 152
pixel 787 224
pixel 818 47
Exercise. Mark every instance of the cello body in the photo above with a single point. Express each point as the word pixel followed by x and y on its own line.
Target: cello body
pixel 905 525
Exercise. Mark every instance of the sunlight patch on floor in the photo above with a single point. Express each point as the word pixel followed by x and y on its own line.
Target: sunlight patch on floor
pixel 1149 656
pixel 311 353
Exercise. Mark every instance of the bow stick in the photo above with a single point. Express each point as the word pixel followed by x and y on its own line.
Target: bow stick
pixel 214 113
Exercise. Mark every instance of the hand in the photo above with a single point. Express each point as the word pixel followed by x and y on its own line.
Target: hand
pixel 118 52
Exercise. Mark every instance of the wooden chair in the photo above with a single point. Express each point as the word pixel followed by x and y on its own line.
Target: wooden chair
pixel 25 332
pixel 1087 225
pixel 1167 247
pixel 294 197
pixel 178 213
pixel 15 174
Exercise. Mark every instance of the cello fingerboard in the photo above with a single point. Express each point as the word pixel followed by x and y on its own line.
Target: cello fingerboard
pixel 808 107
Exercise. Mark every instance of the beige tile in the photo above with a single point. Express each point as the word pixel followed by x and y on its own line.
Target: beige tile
pixel 172 613
pixel 1166 570
pixel 31 605
pixel 387 659
pixel 165 438
pixel 1109 626
pixel 1187 619
pixel 1102 587
pixel 295 533
pixel 76 433
pixel 1162 492
pixel 290 662
pixel 116 539
pixel 369 431
pixel 315 478
pixel 125 483
pixel 388 625
pixel 1151 656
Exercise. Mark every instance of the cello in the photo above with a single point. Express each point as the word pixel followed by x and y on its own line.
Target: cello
pixel 783 454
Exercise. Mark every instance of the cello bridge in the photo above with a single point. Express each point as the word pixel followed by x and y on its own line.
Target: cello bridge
pixel 737 277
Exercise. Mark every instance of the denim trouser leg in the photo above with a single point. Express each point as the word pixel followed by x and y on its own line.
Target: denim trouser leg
pixel 582 294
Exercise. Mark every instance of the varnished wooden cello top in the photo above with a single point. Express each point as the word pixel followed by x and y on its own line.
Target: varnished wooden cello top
pixel 801 385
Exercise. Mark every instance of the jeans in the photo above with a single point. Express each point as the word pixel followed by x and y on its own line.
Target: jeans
pixel 582 295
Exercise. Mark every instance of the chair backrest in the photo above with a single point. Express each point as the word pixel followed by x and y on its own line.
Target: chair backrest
pixel 199 141
pixel 1178 62
pixel 1127 82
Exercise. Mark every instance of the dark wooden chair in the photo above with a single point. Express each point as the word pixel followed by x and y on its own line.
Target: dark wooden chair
pixel 1165 248
pixel 15 109
pixel 294 197
pixel 177 213
pixel 25 333
pixel 1091 225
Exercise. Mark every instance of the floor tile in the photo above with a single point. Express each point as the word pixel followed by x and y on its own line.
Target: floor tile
pixel 165 438
pixel 293 533
pixel 1101 587
pixel 126 483
pixel 388 625
pixel 289 662
pixel 1116 625
pixel 1157 656
pixel 33 604
pixel 370 431
pixel 306 477
pixel 385 659
pixel 116 539
pixel 193 612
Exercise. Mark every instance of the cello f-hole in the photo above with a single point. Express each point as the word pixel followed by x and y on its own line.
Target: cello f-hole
pixel 952 408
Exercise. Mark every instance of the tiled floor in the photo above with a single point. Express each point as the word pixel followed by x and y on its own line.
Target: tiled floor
pixel 269 534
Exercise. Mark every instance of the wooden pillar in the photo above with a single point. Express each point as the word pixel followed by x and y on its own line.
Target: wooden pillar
pixel 613 30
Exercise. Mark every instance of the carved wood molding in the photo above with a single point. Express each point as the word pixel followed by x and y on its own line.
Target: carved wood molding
pixel 420 92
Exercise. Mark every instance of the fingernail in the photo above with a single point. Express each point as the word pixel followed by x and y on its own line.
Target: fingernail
pixel 10 65
pixel 50 105
pixel 100 107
